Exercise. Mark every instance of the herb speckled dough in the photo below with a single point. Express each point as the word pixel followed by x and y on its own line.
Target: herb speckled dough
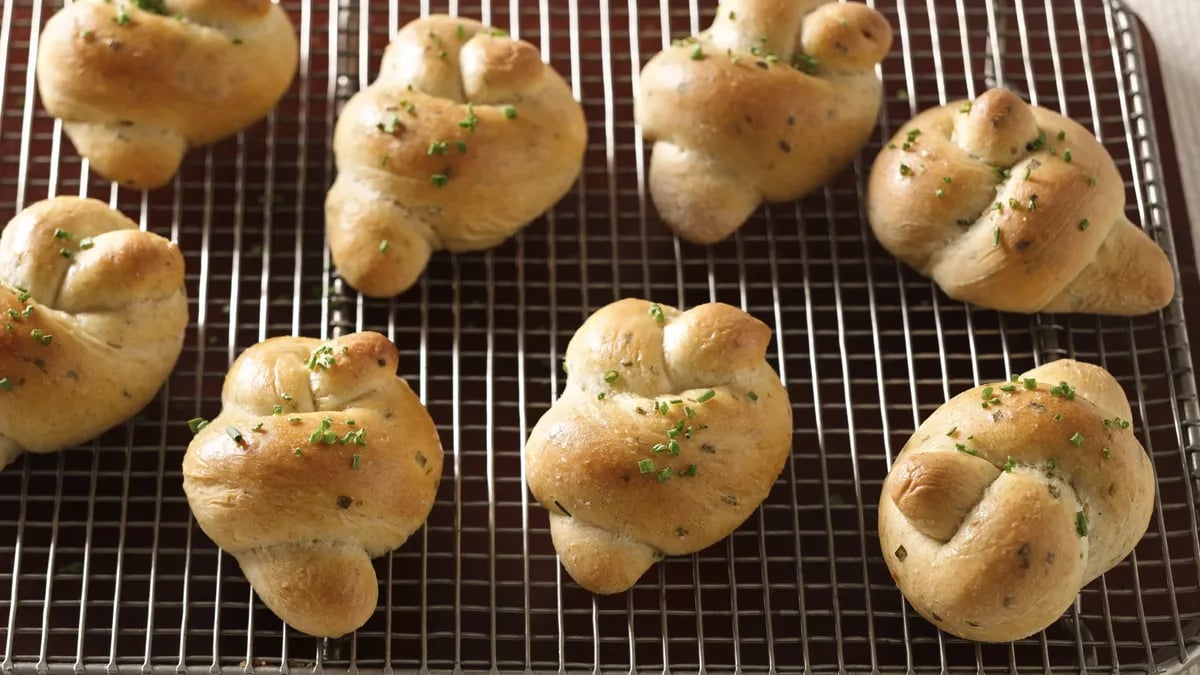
pixel 321 459
pixel 767 104
pixel 463 139
pixel 138 82
pixel 670 433
pixel 92 319
pixel 1011 497
pixel 1014 207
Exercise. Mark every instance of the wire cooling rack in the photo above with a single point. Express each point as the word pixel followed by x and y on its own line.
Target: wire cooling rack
pixel 101 566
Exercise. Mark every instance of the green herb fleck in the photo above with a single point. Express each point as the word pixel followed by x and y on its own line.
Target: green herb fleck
pixel 439 179
pixel 657 313
pixel 706 396
pixel 1010 464
pixel 234 434
pixel 1067 155
pixel 665 474
pixel 1077 439
pixel 40 337
pixel 697 53
pixel 905 170
pixel 752 396
pixel 611 376
pixel 356 461
pixel 1030 383
pixel 962 448
pixel 471 121
pixel 1084 225
pixel 645 466
pixel 384 245
pixel 1107 453
pixel 1081 524
pixel 277 409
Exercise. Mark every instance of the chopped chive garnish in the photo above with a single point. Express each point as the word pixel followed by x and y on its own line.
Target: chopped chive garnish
pixel 356 461
pixel 196 424
pixel 384 246
pixel 277 409
pixel 294 420
pixel 996 237
pixel 697 53
pixel 706 396
pixel 439 179
pixel 1057 417
pixel 939 193
pixel 1084 225
pixel 1062 135
pixel 1081 523
pixel 665 474
pixel 297 452
pixel 257 427
pixel 657 313
pixel 946 180
pixel 1077 439
pixel 673 447
pixel 646 466
pixel 1008 388
pixel 40 337
pixel 611 376
pixel 905 170
pixel 234 434
pixel 962 448
pixel 1067 155
pixel 987 393
pixel 658 447
pixel 1107 453
pixel 510 112
pixel 471 121
pixel 1030 383
pixel 752 396
pixel 1010 464
pixel 600 396
pixel 953 430
pixel 1051 464
pixel 5 385
pixel 689 411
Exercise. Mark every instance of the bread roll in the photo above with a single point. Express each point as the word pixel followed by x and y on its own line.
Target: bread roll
pixel 464 138
pixel 138 82
pixel 1013 496
pixel 767 104
pixel 321 459
pixel 92 319
pixel 670 433
pixel 1014 207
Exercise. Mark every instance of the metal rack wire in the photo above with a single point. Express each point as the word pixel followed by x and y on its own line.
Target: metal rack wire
pixel 104 568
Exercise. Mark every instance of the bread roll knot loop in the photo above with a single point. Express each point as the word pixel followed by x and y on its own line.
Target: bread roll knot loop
pixel 767 104
pixel 465 137
pixel 321 459
pixel 1011 497
pixel 1014 207
pixel 670 432
pixel 138 82
pixel 92 320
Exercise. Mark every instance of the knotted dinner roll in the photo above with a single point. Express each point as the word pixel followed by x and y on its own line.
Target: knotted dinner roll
pixel 1014 207
pixel 464 138
pixel 138 82
pixel 92 318
pixel 768 103
pixel 1013 496
pixel 321 459
pixel 670 433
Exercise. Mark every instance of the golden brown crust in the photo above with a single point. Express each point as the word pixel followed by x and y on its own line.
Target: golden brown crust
pixel 993 518
pixel 735 123
pixel 1014 207
pixel 464 138
pixel 321 459
pixel 136 88
pixel 632 379
pixel 95 332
